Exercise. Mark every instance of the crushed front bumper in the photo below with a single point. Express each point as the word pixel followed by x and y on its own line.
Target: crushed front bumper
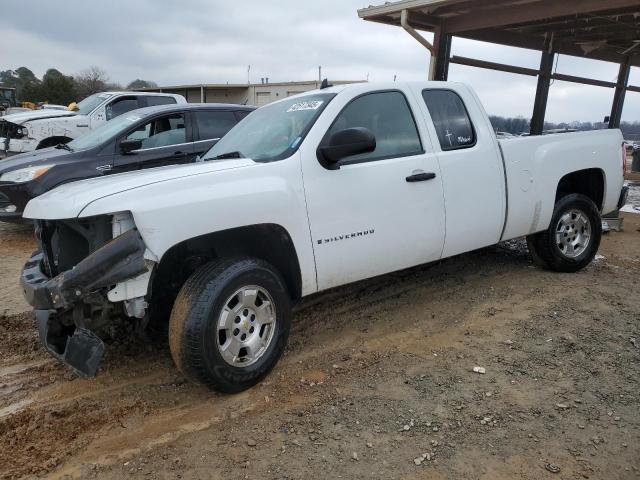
pixel 75 344
pixel 14 146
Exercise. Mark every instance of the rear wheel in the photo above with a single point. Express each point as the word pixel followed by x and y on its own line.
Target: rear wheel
pixel 230 324
pixel 573 237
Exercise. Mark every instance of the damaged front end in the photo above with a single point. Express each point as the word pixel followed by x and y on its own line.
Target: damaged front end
pixel 71 279
pixel 10 134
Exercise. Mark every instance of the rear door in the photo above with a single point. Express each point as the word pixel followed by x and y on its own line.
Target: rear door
pixel 166 139
pixel 210 126
pixel 472 171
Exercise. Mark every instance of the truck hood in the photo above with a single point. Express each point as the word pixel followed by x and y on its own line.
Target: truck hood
pixel 22 117
pixel 68 200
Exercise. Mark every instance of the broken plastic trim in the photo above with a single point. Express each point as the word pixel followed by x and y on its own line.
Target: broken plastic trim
pixel 82 351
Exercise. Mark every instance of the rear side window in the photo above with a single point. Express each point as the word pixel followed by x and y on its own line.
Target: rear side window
pixel 450 118
pixel 388 116
pixel 121 105
pixel 214 124
pixel 152 101
pixel 242 113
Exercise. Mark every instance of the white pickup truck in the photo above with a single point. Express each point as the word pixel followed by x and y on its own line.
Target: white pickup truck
pixel 34 129
pixel 305 194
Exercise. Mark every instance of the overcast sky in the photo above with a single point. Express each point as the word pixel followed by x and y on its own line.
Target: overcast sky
pixel 213 41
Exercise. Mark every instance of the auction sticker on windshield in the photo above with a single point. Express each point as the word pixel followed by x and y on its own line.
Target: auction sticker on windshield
pixel 312 105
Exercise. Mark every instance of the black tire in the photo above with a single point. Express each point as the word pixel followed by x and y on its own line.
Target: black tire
pixel 546 252
pixel 193 332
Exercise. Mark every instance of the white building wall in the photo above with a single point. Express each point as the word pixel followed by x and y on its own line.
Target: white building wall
pixel 263 94
pixel 227 95
pixel 255 94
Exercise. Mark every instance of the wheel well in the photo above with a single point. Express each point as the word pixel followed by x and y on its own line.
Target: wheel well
pixel 52 141
pixel 589 182
pixel 269 242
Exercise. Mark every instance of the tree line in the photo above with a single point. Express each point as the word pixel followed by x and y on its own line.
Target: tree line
pixel 520 125
pixel 57 88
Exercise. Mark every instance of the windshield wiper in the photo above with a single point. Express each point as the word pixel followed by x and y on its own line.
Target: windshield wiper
pixel 64 146
pixel 229 155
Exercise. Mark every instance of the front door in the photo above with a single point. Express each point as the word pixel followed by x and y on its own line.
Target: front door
pixel 380 211
pixel 165 141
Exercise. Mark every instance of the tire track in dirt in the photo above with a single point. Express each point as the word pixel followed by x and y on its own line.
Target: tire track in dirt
pixel 16 243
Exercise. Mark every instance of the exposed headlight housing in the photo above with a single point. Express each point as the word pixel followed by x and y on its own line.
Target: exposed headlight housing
pixel 22 132
pixel 26 174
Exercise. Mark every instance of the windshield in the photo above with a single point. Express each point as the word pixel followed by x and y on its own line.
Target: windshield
pixel 104 132
pixel 272 132
pixel 86 106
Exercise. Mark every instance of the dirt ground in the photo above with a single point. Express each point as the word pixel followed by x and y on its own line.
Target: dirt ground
pixel 377 382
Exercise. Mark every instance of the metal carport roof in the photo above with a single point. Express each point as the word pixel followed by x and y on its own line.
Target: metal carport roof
pixel 606 30
pixel 599 29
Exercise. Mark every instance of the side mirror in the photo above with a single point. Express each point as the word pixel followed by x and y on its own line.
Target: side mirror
pixel 128 146
pixel 348 142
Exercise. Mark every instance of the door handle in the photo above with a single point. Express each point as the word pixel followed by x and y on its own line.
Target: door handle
pixel 179 154
pixel 421 177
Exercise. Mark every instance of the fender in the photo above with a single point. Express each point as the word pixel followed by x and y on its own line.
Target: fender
pixel 170 212
pixel 176 203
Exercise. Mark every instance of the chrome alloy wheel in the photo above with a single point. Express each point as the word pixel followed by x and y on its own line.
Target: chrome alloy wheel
pixel 573 233
pixel 246 326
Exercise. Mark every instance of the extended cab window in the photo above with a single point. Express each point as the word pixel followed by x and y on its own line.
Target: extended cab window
pixel 121 105
pixel 161 132
pixel 154 100
pixel 450 118
pixel 388 116
pixel 214 124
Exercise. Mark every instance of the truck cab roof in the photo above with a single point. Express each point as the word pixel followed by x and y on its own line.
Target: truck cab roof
pixel 192 106
pixel 145 94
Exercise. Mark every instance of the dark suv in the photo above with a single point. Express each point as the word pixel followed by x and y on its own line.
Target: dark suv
pixel 144 138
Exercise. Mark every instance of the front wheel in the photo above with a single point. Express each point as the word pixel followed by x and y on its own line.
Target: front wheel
pixel 230 323
pixel 573 237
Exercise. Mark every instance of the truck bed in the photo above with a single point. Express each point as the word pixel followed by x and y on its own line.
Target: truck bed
pixel 535 165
